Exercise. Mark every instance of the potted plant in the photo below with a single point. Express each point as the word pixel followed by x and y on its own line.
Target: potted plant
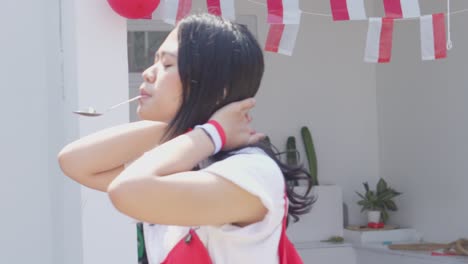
pixel 293 156
pixel 377 203
pixel 325 219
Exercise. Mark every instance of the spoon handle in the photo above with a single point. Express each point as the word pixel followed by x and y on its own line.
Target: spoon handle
pixel 124 102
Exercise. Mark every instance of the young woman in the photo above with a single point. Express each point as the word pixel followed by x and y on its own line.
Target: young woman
pixel 194 171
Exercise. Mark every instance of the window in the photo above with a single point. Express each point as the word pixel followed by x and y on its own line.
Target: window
pixel 142 46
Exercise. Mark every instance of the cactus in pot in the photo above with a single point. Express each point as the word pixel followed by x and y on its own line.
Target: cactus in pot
pixel 310 153
pixel 291 151
pixel 292 155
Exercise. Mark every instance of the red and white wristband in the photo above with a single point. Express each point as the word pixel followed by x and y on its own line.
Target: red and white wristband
pixel 216 133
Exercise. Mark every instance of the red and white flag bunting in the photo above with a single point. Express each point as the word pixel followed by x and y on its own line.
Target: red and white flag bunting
pixel 379 40
pixel 402 8
pixel 433 39
pixel 282 38
pixel 283 12
pixel 223 8
pixel 348 10
pixel 172 11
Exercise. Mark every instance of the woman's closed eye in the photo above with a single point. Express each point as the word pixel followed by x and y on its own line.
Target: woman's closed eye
pixel 165 58
pixel 166 62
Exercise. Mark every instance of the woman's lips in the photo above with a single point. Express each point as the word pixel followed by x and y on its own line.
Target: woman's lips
pixel 144 94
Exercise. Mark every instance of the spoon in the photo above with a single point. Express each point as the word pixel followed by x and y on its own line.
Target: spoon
pixel 91 111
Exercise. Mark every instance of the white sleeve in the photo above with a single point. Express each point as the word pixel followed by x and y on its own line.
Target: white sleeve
pixel 259 175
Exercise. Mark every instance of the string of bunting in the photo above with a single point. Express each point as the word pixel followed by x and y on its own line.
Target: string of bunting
pixel 284 17
pixel 435 41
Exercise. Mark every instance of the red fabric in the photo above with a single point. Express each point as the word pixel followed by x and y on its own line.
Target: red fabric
pixel 191 250
pixel 438 24
pixel 214 7
pixel 183 9
pixel 393 9
pixel 286 251
pixel 339 10
pixel 275 33
pixel 386 38
pixel 275 11
pixel 436 253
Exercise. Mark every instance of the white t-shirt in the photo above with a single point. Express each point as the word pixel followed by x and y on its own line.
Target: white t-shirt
pixel 254 171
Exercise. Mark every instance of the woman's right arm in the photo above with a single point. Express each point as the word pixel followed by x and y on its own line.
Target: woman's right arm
pixel 95 160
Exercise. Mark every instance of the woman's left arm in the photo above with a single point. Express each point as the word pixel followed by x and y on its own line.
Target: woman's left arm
pixel 189 197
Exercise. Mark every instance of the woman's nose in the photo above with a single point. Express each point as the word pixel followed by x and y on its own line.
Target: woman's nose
pixel 149 75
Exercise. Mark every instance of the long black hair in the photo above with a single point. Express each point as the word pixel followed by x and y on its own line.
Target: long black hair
pixel 221 62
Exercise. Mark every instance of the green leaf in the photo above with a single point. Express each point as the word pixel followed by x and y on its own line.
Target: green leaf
pixel 334 239
pixel 393 191
pixel 362 196
pixel 362 202
pixel 386 195
pixel 391 205
pixel 366 186
pixel 370 195
pixel 381 186
pixel 384 216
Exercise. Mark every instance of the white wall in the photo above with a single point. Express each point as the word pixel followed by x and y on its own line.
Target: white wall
pixel 326 86
pixel 26 210
pixel 423 124
pixel 40 208
pixel 100 77
pixel 64 193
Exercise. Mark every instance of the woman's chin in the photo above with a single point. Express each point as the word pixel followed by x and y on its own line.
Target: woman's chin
pixel 145 116
pixel 140 113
